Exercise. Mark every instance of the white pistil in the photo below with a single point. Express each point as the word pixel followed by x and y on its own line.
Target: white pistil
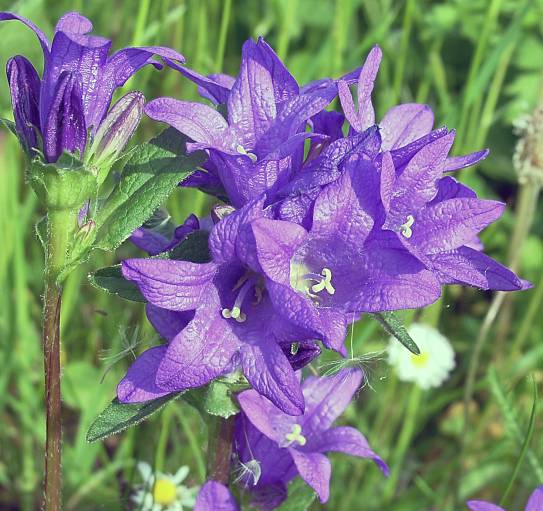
pixel 406 228
pixel 241 150
pixel 325 283
pixel 296 435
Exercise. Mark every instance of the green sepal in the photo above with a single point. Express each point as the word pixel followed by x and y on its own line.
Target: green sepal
pixel 152 172
pixel 217 398
pixel 111 280
pixel 63 185
pixel 394 326
pixel 300 496
pixel 119 416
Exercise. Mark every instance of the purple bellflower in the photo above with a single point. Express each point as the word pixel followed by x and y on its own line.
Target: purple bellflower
pixel 287 446
pixel 236 321
pixel 214 496
pixel 54 113
pixel 535 503
pixel 259 146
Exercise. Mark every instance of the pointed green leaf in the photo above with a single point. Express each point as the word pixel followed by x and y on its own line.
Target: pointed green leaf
pixel 393 326
pixel 152 172
pixel 219 400
pixel 118 416
pixel 300 496
pixel 111 280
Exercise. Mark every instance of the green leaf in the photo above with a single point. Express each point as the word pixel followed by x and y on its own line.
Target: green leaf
pixel 152 172
pixel 194 248
pixel 111 280
pixel 393 326
pixel 213 399
pixel 118 416
pixel 300 496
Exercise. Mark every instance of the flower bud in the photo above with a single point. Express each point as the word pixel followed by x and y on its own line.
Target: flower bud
pixel 114 132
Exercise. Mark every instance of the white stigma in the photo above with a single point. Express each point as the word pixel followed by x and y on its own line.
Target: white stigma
pixel 296 435
pixel 406 228
pixel 241 150
pixel 325 283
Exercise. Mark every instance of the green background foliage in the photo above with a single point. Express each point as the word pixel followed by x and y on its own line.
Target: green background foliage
pixel 478 63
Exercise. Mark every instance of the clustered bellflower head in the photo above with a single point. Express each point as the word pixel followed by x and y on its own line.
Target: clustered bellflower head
pixel 430 368
pixel 535 503
pixel 307 241
pixel 66 109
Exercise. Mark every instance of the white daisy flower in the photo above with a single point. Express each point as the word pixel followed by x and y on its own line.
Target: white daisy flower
pixel 429 369
pixel 163 492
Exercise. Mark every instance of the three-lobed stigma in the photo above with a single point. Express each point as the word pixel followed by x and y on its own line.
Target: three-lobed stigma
pixel 405 228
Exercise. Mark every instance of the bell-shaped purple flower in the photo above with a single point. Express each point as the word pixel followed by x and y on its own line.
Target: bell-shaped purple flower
pixel 285 446
pixel 236 322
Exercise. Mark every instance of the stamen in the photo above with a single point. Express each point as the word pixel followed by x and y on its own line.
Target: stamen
pixel 235 312
pixel 296 435
pixel 241 150
pixel 325 283
pixel 406 228
pixel 294 347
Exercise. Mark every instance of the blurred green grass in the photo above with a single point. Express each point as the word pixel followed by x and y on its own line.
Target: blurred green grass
pixel 478 63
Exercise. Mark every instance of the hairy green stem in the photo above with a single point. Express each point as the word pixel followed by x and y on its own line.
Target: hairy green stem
pixel 219 448
pixel 60 225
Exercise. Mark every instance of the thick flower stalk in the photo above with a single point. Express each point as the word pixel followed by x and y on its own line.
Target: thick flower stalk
pixel 71 139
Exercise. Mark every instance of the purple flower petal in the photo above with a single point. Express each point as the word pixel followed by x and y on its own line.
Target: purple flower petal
pixel 199 353
pixel 269 372
pixel 174 285
pixel 535 502
pixel 315 469
pixel 73 22
pixel 224 236
pixel 266 417
pixel 276 242
pixel 326 398
pixel 480 505
pixel 404 124
pixel 417 184
pixel 402 155
pixel 214 496
pixel 149 240
pixel 452 223
pixel 347 440
pixel 166 322
pixel 473 268
pixel 139 385
pixel 64 129
pixel 24 86
pixel 199 122
pixel 450 188
pixel 343 208
pixel 460 162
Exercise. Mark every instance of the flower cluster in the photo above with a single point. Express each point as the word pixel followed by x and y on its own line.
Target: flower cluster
pixel 318 227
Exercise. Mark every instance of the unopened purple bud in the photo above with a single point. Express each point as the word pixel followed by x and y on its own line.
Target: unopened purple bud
pixel 116 129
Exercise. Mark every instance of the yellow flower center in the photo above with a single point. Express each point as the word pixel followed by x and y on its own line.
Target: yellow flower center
pixel 420 360
pixel 164 492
